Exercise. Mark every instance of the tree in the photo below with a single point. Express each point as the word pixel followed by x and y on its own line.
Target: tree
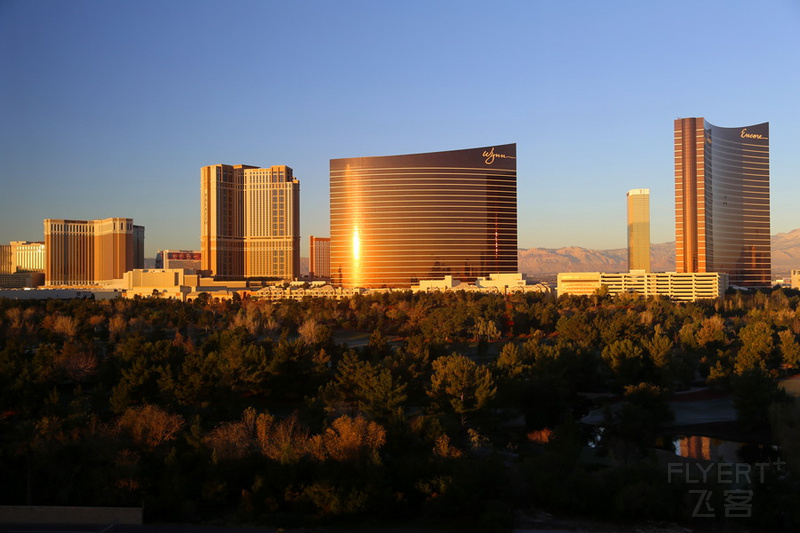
pixel 312 332
pixel 756 347
pixel 150 425
pixel 789 348
pixel 711 334
pixel 461 386
pixel 67 326
pixel 626 361
pixel 349 439
pixel 576 328
pixel 367 387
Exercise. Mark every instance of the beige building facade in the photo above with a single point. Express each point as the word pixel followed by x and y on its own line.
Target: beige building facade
pixel 639 229
pixel 6 260
pixel 29 256
pixel 250 220
pixel 22 256
pixel 88 252
pixel 685 286
pixel 177 283
pixel 319 257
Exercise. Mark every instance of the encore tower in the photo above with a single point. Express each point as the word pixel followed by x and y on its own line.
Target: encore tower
pixel 250 222
pixel 722 207
pixel 399 219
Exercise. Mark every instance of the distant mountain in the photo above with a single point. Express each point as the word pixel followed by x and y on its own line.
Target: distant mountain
pixel 786 252
pixel 538 261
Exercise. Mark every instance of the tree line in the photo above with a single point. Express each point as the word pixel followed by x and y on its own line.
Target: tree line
pixel 447 407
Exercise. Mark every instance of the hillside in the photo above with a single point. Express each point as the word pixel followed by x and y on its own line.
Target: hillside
pixel 785 257
pixel 537 261
pixel 577 259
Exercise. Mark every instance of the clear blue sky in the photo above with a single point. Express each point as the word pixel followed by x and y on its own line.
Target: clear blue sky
pixel 110 108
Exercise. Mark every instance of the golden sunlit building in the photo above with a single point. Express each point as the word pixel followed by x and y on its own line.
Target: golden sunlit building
pixel 22 256
pixel 396 220
pixel 6 259
pixel 85 252
pixel 250 222
pixel 722 201
pixel 639 229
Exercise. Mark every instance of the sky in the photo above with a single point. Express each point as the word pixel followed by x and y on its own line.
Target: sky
pixel 110 108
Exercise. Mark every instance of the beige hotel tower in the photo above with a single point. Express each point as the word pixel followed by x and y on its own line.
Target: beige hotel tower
pixel 250 222
pixel 639 229
pixel 86 252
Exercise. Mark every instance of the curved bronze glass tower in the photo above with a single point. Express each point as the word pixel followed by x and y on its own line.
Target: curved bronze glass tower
pixel 396 220
pixel 722 209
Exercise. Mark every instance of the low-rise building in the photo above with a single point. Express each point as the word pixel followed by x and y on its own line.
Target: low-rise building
pixel 503 283
pixel 795 279
pixel 298 291
pixel 178 283
pixel 686 286
pixel 19 280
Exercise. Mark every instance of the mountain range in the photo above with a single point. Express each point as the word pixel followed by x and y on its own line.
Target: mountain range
pixel 545 263
pixel 539 262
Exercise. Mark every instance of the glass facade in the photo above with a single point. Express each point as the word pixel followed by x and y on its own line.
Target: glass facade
pixel 396 220
pixel 722 201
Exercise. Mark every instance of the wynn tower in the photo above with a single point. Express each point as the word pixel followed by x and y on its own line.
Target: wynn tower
pixel 396 220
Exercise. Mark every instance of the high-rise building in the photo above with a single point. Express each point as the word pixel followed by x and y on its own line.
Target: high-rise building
pixel 639 229
pixel 396 220
pixel 6 259
pixel 319 258
pixel 250 222
pixel 79 252
pixel 722 206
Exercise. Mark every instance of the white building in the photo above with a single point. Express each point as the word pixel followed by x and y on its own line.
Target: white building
pixel 503 283
pixel 687 286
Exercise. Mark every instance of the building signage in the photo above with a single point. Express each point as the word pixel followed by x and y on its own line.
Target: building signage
pixel 746 135
pixel 185 256
pixel 490 156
